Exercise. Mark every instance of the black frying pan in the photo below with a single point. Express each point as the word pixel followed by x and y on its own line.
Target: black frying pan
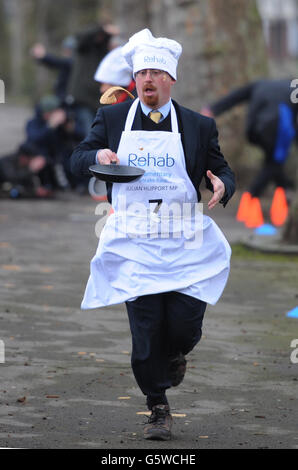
pixel 114 173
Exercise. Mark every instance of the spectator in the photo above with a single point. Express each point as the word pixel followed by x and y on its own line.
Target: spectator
pixel 24 173
pixel 62 64
pixel 271 125
pixel 113 70
pixel 83 93
pixel 55 132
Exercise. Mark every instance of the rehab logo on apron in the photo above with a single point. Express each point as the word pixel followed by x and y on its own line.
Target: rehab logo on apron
pixel 163 203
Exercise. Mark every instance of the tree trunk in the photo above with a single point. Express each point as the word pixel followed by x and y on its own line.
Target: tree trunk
pixel 15 14
pixel 4 49
pixel 217 44
pixel 290 232
pixel 132 16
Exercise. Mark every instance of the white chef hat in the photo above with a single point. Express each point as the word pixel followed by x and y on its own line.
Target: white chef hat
pixel 114 69
pixel 144 51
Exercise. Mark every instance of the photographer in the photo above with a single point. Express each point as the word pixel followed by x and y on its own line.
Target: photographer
pixel 62 64
pixel 83 92
pixel 54 130
pixel 24 173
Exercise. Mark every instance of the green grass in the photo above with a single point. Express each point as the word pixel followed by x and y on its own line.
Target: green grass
pixel 240 251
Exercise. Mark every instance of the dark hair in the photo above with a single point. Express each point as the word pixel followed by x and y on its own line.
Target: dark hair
pixel 28 148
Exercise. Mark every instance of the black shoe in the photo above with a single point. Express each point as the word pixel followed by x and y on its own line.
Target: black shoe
pixel 159 424
pixel 177 369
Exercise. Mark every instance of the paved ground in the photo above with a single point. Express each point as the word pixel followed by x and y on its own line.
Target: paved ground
pixel 66 381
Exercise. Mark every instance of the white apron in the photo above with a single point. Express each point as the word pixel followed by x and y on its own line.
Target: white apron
pixel 156 240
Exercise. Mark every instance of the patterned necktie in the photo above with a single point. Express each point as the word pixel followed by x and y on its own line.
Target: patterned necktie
pixel 155 116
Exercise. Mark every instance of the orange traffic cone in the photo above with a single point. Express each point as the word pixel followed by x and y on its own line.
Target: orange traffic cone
pixel 279 208
pixel 243 208
pixel 255 217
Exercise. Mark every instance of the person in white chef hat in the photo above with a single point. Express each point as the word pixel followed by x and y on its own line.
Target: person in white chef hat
pixel 113 71
pixel 165 282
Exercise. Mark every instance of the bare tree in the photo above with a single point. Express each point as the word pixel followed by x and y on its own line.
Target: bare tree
pixel 222 41
pixel 15 15
pixel 4 51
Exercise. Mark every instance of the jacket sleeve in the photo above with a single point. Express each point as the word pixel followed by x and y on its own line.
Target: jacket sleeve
pixel 219 166
pixel 235 97
pixel 84 155
pixel 55 62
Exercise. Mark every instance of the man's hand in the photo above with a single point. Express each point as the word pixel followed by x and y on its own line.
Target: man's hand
pixel 37 163
pixel 106 156
pixel 57 117
pixel 218 189
pixel 38 51
pixel 206 112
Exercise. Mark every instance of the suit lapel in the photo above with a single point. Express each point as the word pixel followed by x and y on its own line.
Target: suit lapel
pixel 137 122
pixel 120 124
pixel 189 140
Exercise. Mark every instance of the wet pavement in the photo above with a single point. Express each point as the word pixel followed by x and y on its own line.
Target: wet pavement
pixel 66 381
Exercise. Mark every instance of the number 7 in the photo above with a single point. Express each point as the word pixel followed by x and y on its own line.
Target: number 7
pixel 158 204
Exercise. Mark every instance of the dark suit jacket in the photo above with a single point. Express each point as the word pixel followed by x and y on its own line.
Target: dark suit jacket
pixel 199 139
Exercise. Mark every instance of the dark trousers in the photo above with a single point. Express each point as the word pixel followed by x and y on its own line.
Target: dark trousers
pixel 271 172
pixel 162 326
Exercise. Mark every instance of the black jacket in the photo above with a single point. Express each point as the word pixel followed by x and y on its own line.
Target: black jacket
pixel 199 139
pixel 63 65
pixel 92 46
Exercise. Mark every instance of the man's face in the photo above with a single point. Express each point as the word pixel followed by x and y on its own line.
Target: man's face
pixel 154 87
pixel 104 87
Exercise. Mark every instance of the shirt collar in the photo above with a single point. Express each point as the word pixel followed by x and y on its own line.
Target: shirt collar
pixel 164 110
